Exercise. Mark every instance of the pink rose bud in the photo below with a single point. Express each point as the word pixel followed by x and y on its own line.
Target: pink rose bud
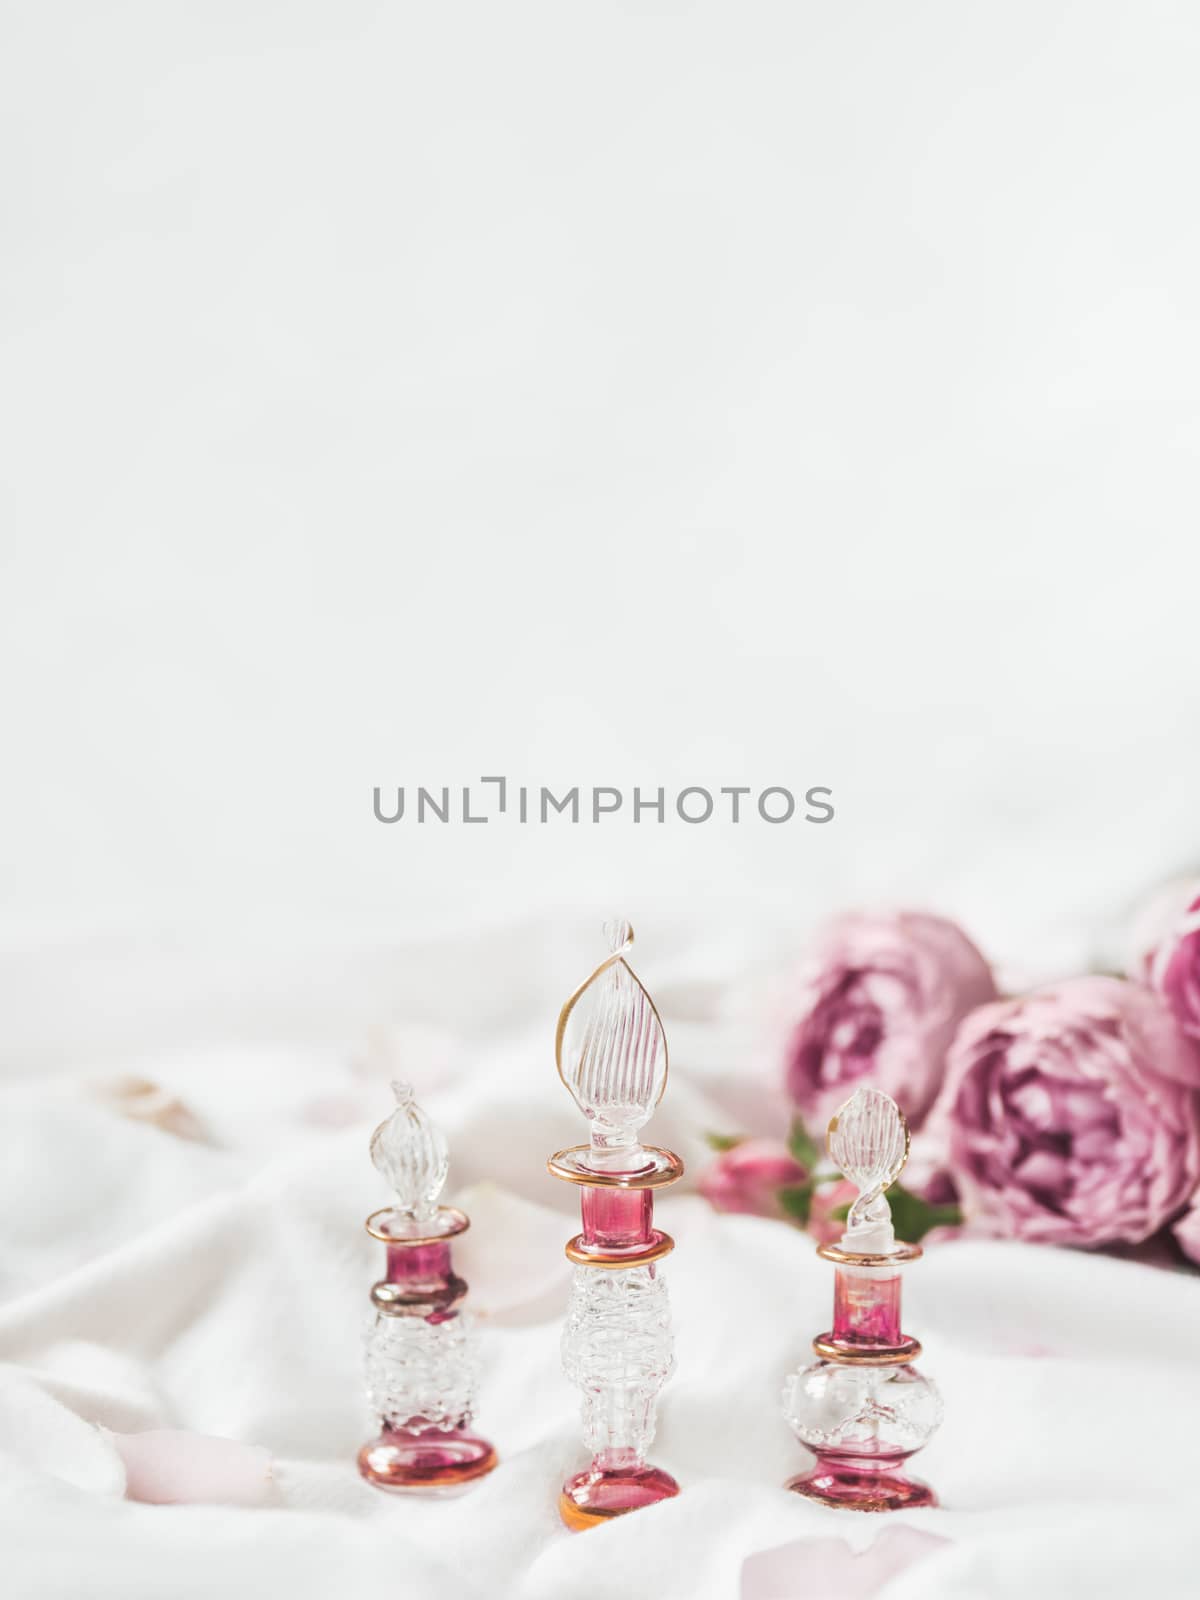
pixel 749 1177
pixel 1072 1114
pixel 879 1002
pixel 1166 953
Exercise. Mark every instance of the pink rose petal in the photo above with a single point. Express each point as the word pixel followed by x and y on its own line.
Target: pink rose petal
pixel 170 1466
pixel 827 1569
pixel 142 1100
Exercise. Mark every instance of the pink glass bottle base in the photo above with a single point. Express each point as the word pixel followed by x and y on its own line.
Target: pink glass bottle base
pixel 431 1460
pixel 598 1494
pixel 855 1484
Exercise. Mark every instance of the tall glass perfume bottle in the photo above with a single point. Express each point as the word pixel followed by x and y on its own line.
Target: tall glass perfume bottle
pixel 421 1361
pixel 863 1409
pixel 616 1345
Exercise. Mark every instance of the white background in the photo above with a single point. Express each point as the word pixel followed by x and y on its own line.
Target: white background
pixel 597 394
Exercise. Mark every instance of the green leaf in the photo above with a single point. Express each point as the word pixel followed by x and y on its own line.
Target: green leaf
pixel 724 1141
pixel 840 1213
pixel 802 1147
pixel 913 1217
pixel 796 1200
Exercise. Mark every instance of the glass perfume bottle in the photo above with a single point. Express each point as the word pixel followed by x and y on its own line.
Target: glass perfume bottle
pixel 421 1360
pixel 617 1346
pixel 862 1408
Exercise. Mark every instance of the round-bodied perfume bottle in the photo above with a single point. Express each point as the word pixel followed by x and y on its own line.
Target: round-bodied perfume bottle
pixel 862 1408
pixel 617 1346
pixel 422 1365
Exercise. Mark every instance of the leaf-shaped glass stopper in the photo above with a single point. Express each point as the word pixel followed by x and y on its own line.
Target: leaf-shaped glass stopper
pixel 411 1154
pixel 612 1054
pixel 868 1140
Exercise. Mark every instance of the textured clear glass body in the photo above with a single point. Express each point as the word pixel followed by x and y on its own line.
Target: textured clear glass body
pixel 422 1372
pixel 874 1414
pixel 617 1348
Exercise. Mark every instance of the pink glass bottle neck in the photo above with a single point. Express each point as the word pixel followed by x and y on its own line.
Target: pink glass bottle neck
pixel 616 1219
pixel 420 1264
pixel 866 1310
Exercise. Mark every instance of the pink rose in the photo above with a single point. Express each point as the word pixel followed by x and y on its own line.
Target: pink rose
pixel 1167 951
pixel 880 1000
pixel 1072 1114
pixel 749 1176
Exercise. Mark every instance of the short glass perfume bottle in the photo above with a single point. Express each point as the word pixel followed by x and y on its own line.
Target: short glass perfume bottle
pixel 617 1345
pixel 862 1408
pixel 422 1364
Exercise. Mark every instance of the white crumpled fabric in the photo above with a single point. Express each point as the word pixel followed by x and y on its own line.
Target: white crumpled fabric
pixel 188 1291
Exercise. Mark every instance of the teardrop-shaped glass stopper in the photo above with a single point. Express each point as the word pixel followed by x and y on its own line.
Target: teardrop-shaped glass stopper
pixel 410 1152
pixel 868 1140
pixel 612 1053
